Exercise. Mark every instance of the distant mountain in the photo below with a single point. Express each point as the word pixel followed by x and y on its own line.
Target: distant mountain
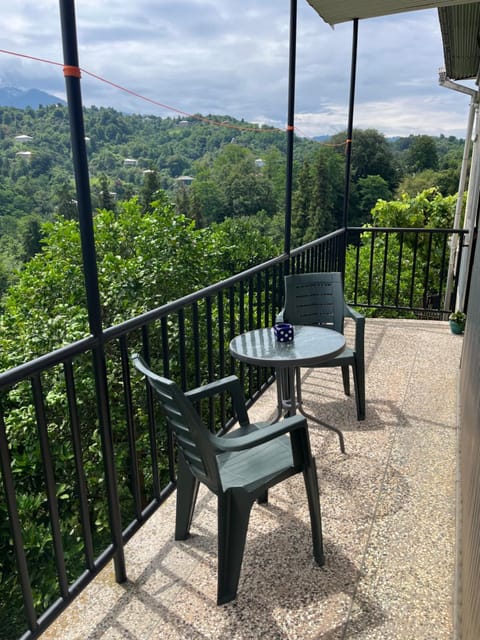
pixel 12 97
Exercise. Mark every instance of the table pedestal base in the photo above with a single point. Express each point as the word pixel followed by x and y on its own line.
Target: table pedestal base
pixel 289 399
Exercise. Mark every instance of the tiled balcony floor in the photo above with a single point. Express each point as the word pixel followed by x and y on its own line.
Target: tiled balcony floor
pixel 388 510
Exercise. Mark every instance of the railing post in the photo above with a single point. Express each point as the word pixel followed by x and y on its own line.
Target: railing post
pixel 79 152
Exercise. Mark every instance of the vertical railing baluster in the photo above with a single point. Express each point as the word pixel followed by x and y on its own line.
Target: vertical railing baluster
pixel 16 528
pixel 268 300
pixel 427 269
pixel 209 353
pixel 261 299
pixel 251 304
pixel 131 431
pixel 399 269
pixel 196 344
pixel 251 370
pixel 357 268
pixel 414 269
pixel 165 347
pixel 222 345
pixel 443 263
pixel 182 349
pixel 241 303
pixel 50 485
pixel 385 268
pixel 370 271
pixel 82 487
pixel 231 314
pixel 152 432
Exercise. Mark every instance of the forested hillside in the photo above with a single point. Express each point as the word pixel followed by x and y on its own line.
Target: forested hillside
pixel 212 168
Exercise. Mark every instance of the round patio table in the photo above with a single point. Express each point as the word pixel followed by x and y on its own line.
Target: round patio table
pixel 311 345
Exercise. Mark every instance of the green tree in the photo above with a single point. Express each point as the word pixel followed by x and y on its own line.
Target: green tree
pixel 151 185
pixel 422 154
pixel 102 195
pixel 317 200
pixel 370 190
pixel 371 155
pixel 31 233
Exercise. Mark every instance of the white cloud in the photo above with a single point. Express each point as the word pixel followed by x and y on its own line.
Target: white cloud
pixel 212 56
pixel 425 116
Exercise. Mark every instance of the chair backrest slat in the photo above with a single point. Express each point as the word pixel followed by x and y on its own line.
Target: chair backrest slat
pixel 314 299
pixel 191 435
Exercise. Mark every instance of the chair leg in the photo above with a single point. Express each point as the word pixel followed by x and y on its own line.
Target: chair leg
pixel 311 485
pixel 346 380
pixel 187 490
pixel 233 516
pixel 359 383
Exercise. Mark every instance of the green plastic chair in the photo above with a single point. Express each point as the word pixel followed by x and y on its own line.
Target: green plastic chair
pixel 317 299
pixel 238 468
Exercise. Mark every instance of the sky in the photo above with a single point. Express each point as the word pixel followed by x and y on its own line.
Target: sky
pixel 231 58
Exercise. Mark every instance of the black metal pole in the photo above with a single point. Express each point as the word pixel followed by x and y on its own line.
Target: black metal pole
pixel 80 161
pixel 348 146
pixel 290 124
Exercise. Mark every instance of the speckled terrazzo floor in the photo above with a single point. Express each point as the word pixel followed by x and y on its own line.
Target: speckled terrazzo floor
pixel 388 509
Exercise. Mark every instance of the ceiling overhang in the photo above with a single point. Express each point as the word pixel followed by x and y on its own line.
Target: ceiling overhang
pixel 335 11
pixel 459 23
pixel 460 27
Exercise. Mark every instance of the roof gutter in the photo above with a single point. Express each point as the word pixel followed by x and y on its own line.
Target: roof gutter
pixel 444 81
pixel 472 199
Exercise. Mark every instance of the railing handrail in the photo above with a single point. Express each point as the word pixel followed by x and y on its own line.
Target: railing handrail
pixel 413 229
pixel 42 363
pixel 314 243
pixel 62 354
pixel 170 307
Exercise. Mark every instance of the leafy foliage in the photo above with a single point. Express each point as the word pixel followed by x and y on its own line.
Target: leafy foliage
pixel 219 153
pixel 145 259
pixel 393 270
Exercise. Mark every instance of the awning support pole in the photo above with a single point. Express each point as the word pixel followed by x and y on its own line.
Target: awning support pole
pixel 80 162
pixel 290 125
pixel 348 143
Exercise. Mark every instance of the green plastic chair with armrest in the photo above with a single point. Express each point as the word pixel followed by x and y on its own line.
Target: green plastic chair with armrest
pixel 238 468
pixel 317 299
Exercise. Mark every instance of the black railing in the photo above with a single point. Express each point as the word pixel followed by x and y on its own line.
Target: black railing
pixel 402 271
pixel 62 523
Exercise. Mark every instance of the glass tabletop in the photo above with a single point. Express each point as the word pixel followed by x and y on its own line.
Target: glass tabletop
pixel 310 345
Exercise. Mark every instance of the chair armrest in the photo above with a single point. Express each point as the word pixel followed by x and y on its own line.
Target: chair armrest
pixel 230 384
pixel 351 313
pixel 359 320
pixel 260 436
pixel 279 316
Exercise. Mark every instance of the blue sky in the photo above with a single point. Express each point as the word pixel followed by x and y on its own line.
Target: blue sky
pixel 230 57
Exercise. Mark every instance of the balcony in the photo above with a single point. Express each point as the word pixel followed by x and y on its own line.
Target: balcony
pixel 388 515
pixel 388 504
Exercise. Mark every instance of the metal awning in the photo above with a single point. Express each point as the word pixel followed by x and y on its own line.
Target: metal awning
pixel 460 27
pixel 459 22
pixel 335 11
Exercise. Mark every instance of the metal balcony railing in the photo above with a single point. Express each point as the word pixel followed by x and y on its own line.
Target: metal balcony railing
pixel 80 477
pixel 403 271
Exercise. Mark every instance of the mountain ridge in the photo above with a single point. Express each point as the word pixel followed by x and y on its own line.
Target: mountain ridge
pixel 23 98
